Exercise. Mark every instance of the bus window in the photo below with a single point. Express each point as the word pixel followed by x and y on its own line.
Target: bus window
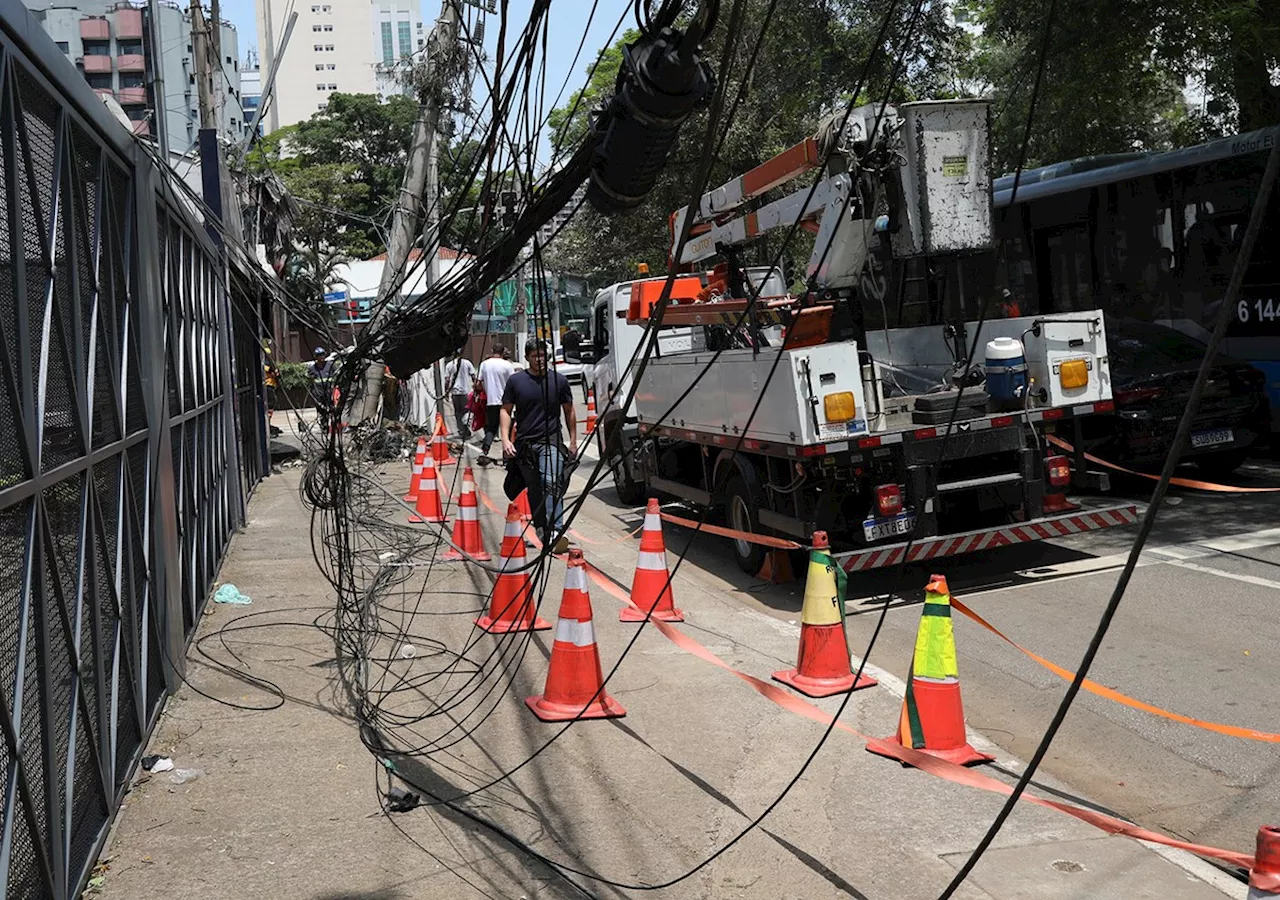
pixel 1070 269
pixel 1135 254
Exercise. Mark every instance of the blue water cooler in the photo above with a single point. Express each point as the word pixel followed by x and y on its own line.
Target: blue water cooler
pixel 1006 370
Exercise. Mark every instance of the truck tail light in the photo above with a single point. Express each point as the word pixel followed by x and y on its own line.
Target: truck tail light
pixel 889 499
pixel 1059 470
pixel 1073 373
pixel 839 407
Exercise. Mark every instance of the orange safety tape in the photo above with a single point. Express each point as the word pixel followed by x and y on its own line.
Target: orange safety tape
pixel 952 772
pixel 764 539
pixel 1102 691
pixel 1179 482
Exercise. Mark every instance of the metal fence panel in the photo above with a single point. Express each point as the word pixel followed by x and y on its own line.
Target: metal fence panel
pixel 129 401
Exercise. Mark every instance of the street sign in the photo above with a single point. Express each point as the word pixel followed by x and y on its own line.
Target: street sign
pixel 335 296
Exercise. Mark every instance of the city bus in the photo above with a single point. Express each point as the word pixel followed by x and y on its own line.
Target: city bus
pixel 1148 236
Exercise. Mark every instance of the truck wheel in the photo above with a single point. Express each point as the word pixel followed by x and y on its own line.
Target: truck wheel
pixel 629 492
pixel 740 507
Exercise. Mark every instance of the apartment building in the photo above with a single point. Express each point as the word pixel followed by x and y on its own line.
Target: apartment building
pixel 337 46
pixel 110 42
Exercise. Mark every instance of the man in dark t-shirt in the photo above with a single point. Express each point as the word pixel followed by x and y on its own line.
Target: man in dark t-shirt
pixel 536 399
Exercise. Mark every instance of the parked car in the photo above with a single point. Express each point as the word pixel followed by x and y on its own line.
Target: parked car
pixel 575 372
pixel 1152 371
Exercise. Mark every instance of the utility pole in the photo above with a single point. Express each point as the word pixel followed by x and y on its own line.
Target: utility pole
pixel 441 46
pixel 157 81
pixel 200 53
pixel 215 14
pixel 522 316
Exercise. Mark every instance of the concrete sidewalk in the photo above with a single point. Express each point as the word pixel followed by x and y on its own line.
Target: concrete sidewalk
pixel 289 803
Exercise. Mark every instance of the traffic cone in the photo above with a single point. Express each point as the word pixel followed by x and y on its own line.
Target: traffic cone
pixel 335 416
pixel 511 606
pixel 651 585
pixel 822 662
pixel 932 718
pixel 428 506
pixel 575 682
pixel 776 568
pixel 1264 877
pixel 440 444
pixel 467 536
pixel 591 411
pixel 522 504
pixel 418 457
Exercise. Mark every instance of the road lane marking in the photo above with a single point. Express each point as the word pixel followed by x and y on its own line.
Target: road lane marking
pixel 1236 576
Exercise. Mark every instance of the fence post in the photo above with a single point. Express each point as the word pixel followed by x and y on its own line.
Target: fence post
pixel 148 296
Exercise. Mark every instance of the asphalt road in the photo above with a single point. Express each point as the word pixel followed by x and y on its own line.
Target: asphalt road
pixel 1197 634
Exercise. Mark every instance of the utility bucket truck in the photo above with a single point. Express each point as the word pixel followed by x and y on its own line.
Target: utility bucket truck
pixel 786 412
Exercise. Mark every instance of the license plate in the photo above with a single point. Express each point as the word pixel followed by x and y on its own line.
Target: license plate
pixel 879 529
pixel 1212 438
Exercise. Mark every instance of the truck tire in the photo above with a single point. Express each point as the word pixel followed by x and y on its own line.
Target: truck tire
pixel 740 506
pixel 629 492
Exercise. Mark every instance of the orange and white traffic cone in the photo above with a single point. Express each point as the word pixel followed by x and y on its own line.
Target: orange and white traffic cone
pixel 575 681
pixel 440 444
pixel 467 537
pixel 418 457
pixel 522 504
pixel 591 411
pixel 822 662
pixel 335 416
pixel 511 607
pixel 1264 877
pixel 428 508
pixel 651 585
pixel 932 719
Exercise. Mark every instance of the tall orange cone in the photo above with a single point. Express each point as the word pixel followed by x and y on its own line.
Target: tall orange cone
pixel 428 508
pixel 932 718
pixel 591 411
pixel 418 457
pixel 467 537
pixel 575 681
pixel 651 585
pixel 822 662
pixel 522 504
pixel 511 607
pixel 1264 877
pixel 440 444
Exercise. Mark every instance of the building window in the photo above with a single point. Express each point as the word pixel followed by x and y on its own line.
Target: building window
pixel 319 87
pixel 319 47
pixel 131 80
pixel 421 42
pixel 97 48
pixel 406 39
pixel 388 51
pixel 99 81
pixel 333 87
pixel 319 67
pixel 327 9
pixel 315 9
pixel 331 67
pixel 124 48
pixel 64 46
pixel 328 28
pixel 228 60
pixel 235 124
pixel 328 46
pixel 315 27
pixel 322 106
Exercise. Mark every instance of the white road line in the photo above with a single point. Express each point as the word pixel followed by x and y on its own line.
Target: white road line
pixel 1209 570
pixel 1249 541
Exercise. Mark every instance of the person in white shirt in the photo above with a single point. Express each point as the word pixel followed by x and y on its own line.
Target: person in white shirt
pixel 460 376
pixel 493 376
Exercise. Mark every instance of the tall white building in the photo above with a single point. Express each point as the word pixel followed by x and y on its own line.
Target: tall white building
pixel 337 46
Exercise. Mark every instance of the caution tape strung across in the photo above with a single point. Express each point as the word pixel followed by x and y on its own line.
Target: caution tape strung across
pixel 940 768
pixel 1177 482
pixel 762 539
pixel 1093 687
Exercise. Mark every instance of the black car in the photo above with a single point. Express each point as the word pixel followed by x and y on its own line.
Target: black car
pixel 1152 371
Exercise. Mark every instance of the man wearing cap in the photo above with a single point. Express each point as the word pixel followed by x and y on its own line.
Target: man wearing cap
pixel 321 371
pixel 536 399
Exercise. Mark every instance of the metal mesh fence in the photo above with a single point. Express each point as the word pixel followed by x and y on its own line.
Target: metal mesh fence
pixel 130 430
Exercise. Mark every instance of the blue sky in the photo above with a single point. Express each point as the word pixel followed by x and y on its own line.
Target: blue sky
pixel 567 19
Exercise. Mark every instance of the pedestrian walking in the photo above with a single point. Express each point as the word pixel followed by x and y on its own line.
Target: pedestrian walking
pixel 460 376
pixel 536 399
pixel 322 371
pixel 494 374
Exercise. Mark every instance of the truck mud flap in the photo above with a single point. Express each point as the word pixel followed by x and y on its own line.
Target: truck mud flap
pixel 990 538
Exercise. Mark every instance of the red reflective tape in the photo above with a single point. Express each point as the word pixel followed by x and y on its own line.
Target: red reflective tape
pixel 924 433
pixel 867 443
pixel 1001 421
pixel 1104 406
pixel 1041 530
pixel 1054 413
pixel 814 450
